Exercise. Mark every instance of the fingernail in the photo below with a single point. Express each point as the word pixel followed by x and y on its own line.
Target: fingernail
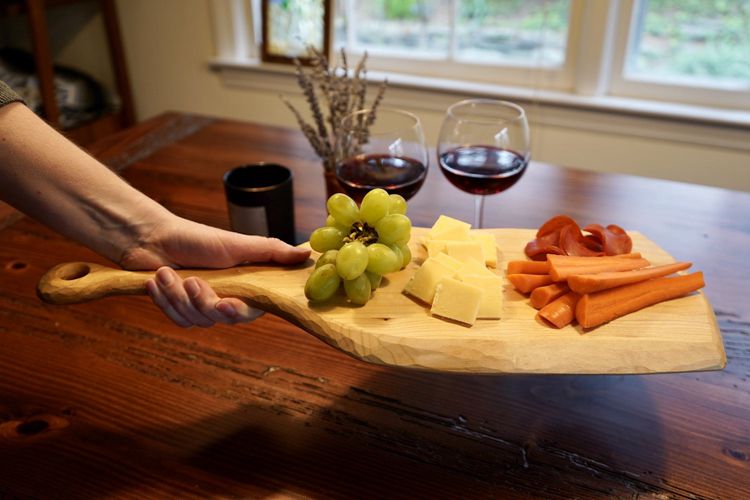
pixel 226 309
pixel 165 276
pixel 192 288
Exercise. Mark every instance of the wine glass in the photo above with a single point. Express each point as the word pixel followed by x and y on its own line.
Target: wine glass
pixel 483 148
pixel 382 150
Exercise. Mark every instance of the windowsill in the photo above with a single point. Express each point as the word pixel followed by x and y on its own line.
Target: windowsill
pixel 698 115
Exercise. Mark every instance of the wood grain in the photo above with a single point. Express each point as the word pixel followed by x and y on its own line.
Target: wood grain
pixel 109 398
pixel 392 329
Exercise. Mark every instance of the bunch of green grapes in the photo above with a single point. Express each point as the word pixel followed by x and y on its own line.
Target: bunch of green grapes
pixel 359 245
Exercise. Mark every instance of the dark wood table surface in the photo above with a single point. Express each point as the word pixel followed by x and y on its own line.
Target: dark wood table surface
pixel 109 398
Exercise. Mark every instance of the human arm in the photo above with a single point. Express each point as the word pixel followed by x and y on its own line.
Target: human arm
pixel 50 179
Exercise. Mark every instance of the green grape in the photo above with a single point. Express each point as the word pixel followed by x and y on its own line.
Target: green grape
pixel 326 238
pixel 374 206
pixel 359 289
pixel 396 204
pixel 406 253
pixel 343 209
pixel 332 222
pixel 329 257
pixel 394 229
pixel 351 260
pixel 322 283
pixel 381 259
pixel 399 258
pixel 375 279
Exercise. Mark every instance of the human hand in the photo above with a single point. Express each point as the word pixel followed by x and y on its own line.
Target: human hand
pixel 183 243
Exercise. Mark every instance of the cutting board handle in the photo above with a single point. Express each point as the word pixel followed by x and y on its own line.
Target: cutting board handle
pixel 74 282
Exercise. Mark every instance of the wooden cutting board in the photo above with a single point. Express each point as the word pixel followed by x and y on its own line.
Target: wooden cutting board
pixel 393 329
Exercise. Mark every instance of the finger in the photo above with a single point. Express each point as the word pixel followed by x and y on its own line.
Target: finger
pixel 245 248
pixel 172 286
pixel 161 301
pixel 237 310
pixel 204 299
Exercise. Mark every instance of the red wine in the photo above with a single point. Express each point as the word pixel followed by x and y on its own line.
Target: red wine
pixel 396 174
pixel 482 169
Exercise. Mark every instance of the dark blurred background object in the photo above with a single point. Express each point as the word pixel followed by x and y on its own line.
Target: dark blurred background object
pixel 79 97
pixel 70 98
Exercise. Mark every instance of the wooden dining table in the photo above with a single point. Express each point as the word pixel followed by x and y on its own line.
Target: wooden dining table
pixel 110 399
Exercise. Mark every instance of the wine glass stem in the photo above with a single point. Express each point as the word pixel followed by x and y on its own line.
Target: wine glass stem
pixel 478 210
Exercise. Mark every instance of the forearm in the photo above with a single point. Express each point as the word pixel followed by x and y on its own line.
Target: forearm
pixel 50 179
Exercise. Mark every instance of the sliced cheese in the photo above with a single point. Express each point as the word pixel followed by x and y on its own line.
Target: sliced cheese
pixel 448 261
pixel 448 228
pixel 457 300
pixel 472 268
pixel 465 250
pixel 422 284
pixel 434 247
pixel 489 247
pixel 491 306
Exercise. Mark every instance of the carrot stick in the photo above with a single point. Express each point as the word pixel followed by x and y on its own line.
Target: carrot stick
pixel 589 283
pixel 597 308
pixel 561 270
pixel 561 311
pixel 570 260
pixel 525 283
pixel 543 295
pixel 528 267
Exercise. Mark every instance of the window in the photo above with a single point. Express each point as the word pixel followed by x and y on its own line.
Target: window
pixel 694 52
pixel 698 42
pixel 532 32
pixel 505 41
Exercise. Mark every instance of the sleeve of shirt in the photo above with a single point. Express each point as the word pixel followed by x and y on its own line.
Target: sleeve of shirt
pixel 7 95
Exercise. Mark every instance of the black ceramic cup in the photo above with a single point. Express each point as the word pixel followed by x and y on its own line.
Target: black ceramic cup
pixel 260 200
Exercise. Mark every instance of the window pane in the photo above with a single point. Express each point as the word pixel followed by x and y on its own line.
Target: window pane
pixel 706 41
pixel 529 32
pixel 413 28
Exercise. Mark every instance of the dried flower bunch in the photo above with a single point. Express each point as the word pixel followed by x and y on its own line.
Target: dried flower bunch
pixel 335 91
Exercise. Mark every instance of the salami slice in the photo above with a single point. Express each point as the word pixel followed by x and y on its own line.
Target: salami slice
pixel 614 239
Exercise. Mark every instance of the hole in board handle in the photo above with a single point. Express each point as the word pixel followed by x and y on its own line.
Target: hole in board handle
pixel 74 272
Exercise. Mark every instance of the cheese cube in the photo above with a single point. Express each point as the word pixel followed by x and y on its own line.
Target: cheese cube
pixel 489 247
pixel 448 228
pixel 465 250
pixel 422 284
pixel 448 261
pixel 491 306
pixel 472 268
pixel 457 301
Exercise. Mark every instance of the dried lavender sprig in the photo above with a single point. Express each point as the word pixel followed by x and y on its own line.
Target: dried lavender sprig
pixel 309 91
pixel 343 94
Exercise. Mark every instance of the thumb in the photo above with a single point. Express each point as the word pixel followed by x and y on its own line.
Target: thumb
pixel 247 248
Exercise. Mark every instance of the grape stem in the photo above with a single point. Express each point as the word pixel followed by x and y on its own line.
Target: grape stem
pixel 363 233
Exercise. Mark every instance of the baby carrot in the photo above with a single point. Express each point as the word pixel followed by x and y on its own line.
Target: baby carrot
pixel 528 267
pixel 525 283
pixel 561 311
pixel 543 295
pixel 598 308
pixel 560 269
pixel 589 283
pixel 570 260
